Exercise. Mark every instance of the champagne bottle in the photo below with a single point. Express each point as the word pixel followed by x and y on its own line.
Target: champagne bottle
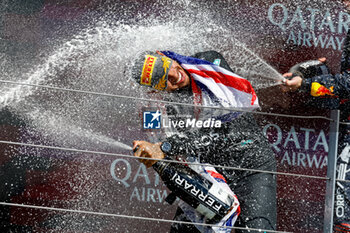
pixel 205 197
pixel 309 69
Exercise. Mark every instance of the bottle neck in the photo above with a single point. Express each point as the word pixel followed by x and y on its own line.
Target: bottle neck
pixel 159 166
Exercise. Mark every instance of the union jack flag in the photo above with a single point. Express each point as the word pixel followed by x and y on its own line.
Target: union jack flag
pixel 214 85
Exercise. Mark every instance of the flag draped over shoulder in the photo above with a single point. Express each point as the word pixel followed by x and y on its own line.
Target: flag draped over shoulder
pixel 213 85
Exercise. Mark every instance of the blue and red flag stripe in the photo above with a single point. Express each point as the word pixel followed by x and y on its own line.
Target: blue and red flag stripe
pixel 230 89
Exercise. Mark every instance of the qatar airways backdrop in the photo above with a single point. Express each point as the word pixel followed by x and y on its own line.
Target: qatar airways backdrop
pixel 85 45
